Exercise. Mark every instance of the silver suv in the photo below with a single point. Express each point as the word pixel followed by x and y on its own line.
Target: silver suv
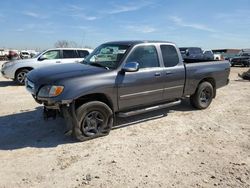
pixel 17 70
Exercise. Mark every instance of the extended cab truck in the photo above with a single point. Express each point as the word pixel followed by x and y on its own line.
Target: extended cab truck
pixel 123 79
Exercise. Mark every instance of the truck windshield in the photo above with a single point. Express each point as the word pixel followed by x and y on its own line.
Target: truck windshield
pixel 195 50
pixel 107 55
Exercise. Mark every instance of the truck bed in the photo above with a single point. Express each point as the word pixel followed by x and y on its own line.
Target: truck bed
pixel 197 71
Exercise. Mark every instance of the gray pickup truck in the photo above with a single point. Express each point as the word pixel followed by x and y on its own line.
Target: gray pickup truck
pixel 121 79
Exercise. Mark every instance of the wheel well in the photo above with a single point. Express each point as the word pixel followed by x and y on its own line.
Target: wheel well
pixel 93 97
pixel 212 82
pixel 28 68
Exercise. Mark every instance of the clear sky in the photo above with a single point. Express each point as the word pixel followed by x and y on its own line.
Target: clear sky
pixel 208 24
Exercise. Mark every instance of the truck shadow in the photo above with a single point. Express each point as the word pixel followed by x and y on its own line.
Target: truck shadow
pixel 8 83
pixel 124 122
pixel 28 129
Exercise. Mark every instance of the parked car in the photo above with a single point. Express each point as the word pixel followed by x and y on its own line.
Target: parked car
pixel 25 54
pixel 242 59
pixel 208 55
pixel 123 79
pixel 218 57
pixel 3 55
pixel 192 54
pixel 18 69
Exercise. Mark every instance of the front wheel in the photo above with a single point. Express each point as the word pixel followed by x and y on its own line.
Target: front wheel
pixel 20 76
pixel 203 96
pixel 95 119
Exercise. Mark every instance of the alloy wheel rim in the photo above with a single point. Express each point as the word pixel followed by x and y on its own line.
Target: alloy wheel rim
pixel 92 123
pixel 21 76
pixel 205 96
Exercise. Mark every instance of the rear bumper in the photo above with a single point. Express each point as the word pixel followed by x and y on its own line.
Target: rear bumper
pixel 240 62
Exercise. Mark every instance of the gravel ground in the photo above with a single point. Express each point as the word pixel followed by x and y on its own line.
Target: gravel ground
pixel 175 147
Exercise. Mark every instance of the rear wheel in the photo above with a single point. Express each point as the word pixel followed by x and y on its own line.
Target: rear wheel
pixel 203 96
pixel 95 119
pixel 20 76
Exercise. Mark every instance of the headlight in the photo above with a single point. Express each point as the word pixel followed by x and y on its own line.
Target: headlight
pixel 50 91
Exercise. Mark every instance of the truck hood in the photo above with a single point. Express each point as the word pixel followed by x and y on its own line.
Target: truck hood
pixel 55 73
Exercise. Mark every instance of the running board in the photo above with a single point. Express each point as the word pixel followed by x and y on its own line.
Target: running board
pixel 149 109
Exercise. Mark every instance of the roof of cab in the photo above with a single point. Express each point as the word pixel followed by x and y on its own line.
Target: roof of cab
pixel 135 42
pixel 70 49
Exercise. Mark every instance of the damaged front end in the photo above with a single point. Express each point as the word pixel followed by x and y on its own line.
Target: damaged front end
pixel 68 112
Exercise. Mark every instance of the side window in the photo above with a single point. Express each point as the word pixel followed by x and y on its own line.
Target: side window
pixel 170 55
pixel 53 54
pixel 83 53
pixel 146 56
pixel 69 54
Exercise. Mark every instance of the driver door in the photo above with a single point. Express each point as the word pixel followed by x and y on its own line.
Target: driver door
pixel 144 87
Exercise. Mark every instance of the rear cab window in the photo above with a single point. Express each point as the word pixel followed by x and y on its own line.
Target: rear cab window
pixel 69 54
pixel 169 55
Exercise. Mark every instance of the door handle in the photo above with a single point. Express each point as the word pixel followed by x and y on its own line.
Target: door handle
pixel 168 73
pixel 58 61
pixel 157 74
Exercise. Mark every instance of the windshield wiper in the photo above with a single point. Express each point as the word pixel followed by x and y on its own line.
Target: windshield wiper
pixel 98 65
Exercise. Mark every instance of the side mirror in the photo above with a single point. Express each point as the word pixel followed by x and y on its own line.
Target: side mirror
pixel 41 58
pixel 187 53
pixel 131 67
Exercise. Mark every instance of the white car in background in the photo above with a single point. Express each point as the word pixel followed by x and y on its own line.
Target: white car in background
pixel 218 57
pixel 17 70
pixel 25 54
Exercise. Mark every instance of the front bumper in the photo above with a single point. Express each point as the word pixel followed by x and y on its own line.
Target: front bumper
pixel 49 102
pixel 7 72
pixel 4 74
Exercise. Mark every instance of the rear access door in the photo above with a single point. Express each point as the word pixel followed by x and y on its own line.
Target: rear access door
pixel 173 72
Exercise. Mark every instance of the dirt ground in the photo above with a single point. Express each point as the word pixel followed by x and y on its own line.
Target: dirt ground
pixel 175 147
